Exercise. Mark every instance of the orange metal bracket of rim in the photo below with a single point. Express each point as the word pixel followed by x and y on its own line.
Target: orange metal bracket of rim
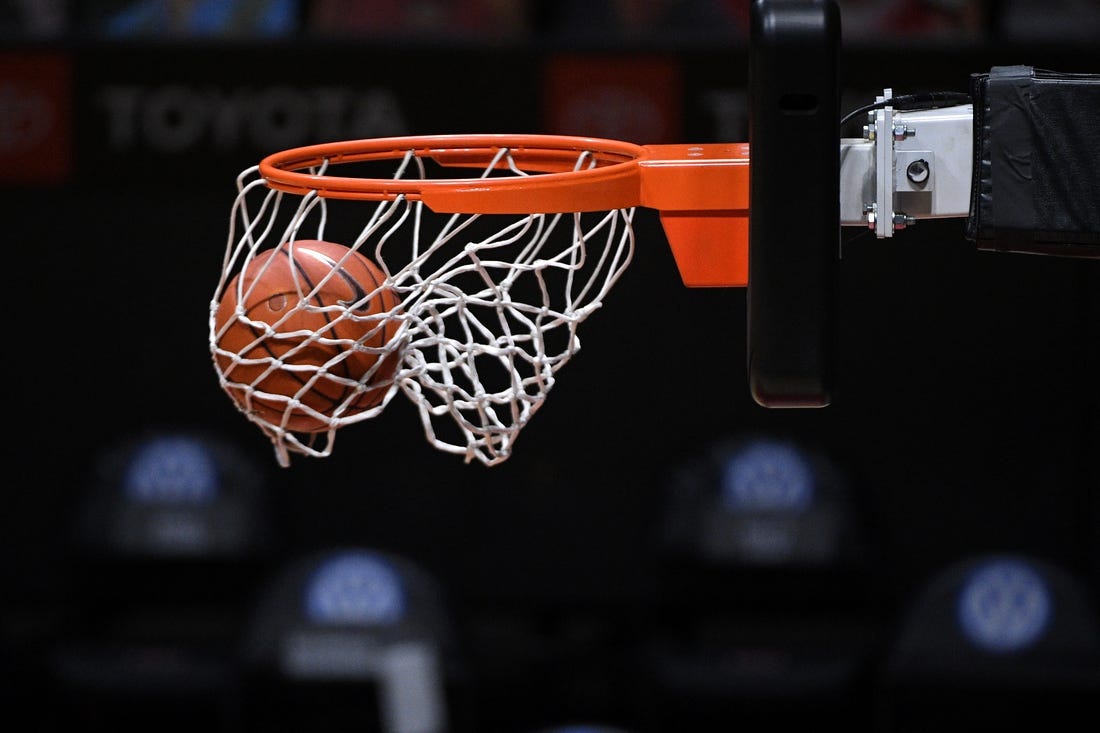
pixel 702 194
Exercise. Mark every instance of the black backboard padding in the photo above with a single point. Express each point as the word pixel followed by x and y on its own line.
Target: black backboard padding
pixel 794 216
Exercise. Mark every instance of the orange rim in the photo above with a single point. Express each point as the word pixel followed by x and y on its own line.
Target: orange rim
pixel 612 181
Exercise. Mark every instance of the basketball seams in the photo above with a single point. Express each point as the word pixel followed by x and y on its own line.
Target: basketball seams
pixel 304 273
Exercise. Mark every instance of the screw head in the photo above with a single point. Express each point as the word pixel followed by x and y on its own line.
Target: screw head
pixel 918 171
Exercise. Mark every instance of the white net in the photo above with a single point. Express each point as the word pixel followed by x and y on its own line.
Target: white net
pixel 487 308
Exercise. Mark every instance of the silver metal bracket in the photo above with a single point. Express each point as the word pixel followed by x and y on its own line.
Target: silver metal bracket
pixel 909 165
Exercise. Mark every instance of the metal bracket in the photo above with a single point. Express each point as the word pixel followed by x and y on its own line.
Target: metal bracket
pixel 909 165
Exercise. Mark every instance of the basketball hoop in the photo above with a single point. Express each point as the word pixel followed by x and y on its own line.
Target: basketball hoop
pixel 492 273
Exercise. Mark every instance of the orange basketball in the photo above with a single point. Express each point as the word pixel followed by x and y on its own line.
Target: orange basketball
pixel 292 289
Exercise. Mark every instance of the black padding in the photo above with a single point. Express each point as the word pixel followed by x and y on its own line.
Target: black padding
pixel 794 200
pixel 1036 185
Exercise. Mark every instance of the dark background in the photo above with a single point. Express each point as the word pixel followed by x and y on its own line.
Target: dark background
pixel 966 421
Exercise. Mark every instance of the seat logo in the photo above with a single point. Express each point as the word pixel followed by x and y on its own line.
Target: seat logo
pixel 1004 606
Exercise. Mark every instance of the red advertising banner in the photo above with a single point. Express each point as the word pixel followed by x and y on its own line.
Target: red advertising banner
pixel 632 98
pixel 35 118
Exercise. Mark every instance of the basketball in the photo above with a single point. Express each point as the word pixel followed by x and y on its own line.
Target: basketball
pixel 315 310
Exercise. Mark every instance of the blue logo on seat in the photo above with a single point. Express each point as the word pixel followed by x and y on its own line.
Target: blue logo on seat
pixel 355 588
pixel 1004 606
pixel 767 475
pixel 171 470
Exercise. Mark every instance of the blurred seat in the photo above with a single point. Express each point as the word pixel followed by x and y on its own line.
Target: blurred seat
pixel 241 19
pixel 618 20
pixel 34 19
pixel 892 21
pixel 582 728
pixel 352 639
pixel 765 599
pixel 488 20
pixel 170 535
pixel 1005 642
pixel 1048 21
